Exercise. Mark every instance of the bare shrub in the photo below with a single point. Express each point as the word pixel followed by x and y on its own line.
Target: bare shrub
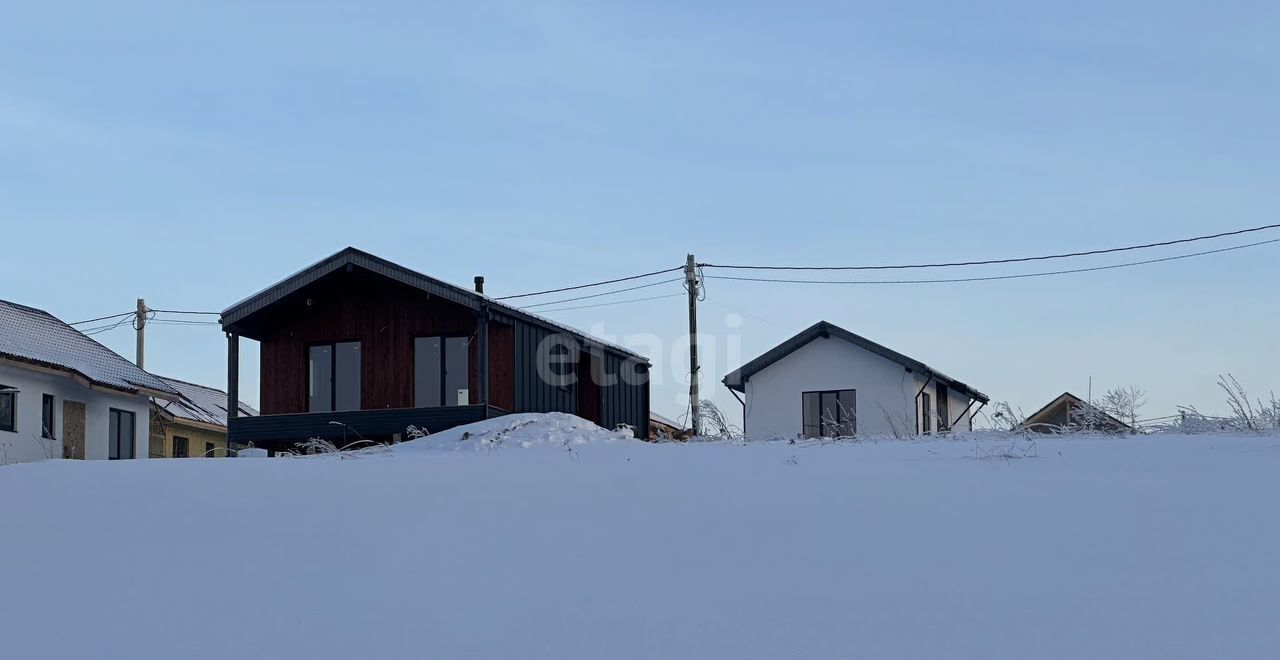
pixel 715 424
pixel 1005 418
pixel 1265 416
pixel 1015 450
pixel 901 426
pixel 1124 403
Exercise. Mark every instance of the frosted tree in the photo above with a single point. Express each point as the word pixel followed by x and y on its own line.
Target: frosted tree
pixel 1124 403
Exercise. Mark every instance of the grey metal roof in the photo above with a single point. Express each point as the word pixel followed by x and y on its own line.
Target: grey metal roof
pixel 37 337
pixel 737 379
pixel 359 258
pixel 199 403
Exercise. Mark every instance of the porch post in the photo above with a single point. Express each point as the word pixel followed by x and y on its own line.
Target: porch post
pixel 233 380
pixel 482 334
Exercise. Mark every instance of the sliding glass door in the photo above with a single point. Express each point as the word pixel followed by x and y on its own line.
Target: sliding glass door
pixel 441 371
pixel 333 377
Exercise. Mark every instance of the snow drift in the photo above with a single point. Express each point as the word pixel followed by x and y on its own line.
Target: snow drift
pixel 1148 547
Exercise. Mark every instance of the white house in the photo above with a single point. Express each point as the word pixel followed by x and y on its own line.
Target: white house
pixel 827 381
pixel 64 395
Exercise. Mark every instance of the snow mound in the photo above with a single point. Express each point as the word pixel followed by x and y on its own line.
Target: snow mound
pixel 524 430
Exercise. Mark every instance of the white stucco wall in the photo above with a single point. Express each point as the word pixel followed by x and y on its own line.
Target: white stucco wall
pixel 24 444
pixel 956 404
pixel 886 391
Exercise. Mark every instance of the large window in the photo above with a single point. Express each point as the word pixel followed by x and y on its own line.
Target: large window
pixel 181 447
pixel 333 377
pixel 441 371
pixel 8 421
pixel 830 413
pixel 121 435
pixel 46 416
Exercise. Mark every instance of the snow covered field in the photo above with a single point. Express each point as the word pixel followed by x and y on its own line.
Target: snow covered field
pixel 1150 547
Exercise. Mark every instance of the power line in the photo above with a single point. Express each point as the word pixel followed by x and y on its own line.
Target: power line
pixel 109 326
pixel 584 286
pixel 103 318
pixel 616 302
pixel 996 277
pixel 175 311
pixel 182 322
pixel 606 293
pixel 1005 261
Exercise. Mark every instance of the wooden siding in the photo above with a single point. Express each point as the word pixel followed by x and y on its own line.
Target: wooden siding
pixel 385 317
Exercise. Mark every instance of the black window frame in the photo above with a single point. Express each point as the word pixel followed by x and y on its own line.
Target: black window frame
pixel 113 417
pixel 926 413
pixel 48 418
pixel 444 364
pixel 333 372
pixel 10 425
pixel 186 447
pixel 209 448
pixel 840 410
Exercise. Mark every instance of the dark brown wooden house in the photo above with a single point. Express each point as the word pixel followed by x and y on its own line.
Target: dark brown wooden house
pixel 358 347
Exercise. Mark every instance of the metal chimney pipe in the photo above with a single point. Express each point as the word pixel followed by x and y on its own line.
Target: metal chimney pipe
pixel 479 283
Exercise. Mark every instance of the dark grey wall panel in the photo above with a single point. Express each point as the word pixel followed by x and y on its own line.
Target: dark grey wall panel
pixel 371 424
pixel 534 393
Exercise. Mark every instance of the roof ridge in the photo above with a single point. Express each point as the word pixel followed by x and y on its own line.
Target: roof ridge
pixel 29 308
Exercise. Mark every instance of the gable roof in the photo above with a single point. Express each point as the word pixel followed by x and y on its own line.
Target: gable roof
pixel 737 379
pixel 36 337
pixel 1041 416
pixel 358 258
pixel 199 403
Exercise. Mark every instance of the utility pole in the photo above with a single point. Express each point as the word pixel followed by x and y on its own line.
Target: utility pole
pixel 140 324
pixel 691 284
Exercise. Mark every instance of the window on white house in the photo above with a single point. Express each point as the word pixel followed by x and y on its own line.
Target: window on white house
pixel 208 450
pixel 121 435
pixel 926 413
pixel 944 409
pixel 830 413
pixel 46 416
pixel 181 447
pixel 8 418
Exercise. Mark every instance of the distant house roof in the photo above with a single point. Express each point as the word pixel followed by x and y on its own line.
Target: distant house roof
pixel 352 257
pixel 38 338
pixel 199 403
pixel 655 417
pixel 822 329
pixel 1058 413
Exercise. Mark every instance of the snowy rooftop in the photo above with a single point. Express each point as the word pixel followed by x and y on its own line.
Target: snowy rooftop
pixel 200 403
pixel 35 336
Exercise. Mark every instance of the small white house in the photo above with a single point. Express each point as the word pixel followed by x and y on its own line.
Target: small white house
pixel 827 381
pixel 64 395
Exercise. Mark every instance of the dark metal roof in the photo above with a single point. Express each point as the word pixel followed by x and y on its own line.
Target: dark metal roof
pixel 361 259
pixel 822 329
pixel 37 337
pixel 199 403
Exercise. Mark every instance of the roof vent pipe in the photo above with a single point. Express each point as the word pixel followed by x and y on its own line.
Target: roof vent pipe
pixel 479 283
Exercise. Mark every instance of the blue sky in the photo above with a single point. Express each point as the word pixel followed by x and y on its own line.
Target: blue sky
pixel 193 155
